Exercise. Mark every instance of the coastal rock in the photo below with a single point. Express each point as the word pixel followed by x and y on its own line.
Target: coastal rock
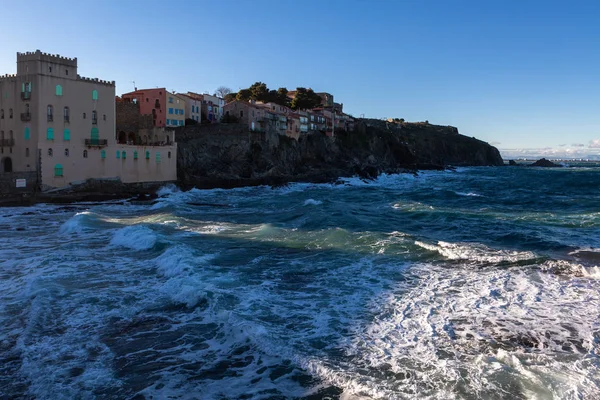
pixel 542 162
pixel 230 156
pixel 512 163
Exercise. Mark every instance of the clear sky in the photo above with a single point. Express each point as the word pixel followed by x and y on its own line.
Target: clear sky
pixel 518 74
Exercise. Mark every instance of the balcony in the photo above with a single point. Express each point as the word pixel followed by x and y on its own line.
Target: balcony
pixel 96 142
pixel 25 117
pixel 25 95
pixel 7 142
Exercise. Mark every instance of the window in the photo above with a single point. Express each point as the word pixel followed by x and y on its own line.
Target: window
pixel 94 94
pixel 95 134
pixel 50 134
pixel 118 154
pixel 49 152
pixel 27 152
pixel 170 100
pixel 94 117
pixel 2 114
pixel 66 114
pixel 58 90
pixel 83 115
pixel 66 72
pixel 242 113
pixel 170 111
pixel 49 69
pixel 66 152
pixel 85 154
pixel 103 154
pixel 104 117
pixel 67 135
pixel 135 155
pixel 157 157
pixel 50 112
pixel 123 155
pixel 147 154
pixel 147 99
pixel 169 154
pixel 181 123
pixel 58 170
pixel 10 113
pixel 168 122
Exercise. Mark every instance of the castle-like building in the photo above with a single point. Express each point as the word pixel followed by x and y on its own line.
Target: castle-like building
pixel 58 129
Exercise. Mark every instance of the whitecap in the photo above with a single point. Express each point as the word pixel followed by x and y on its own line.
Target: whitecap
pixel 476 252
pixel 312 202
pixel 135 237
pixel 75 224
pixel 469 194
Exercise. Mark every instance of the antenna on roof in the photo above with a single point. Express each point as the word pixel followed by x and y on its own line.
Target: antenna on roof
pixel 134 88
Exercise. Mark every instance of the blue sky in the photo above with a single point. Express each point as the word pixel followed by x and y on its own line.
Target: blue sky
pixel 519 74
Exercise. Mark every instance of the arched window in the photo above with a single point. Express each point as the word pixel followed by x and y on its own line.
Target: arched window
pixel 66 114
pixel 58 170
pixel 50 112
pixel 50 134
pixel 157 157
pixel 27 133
pixel 103 154
pixel 67 135
pixel 66 152
pixel 135 155
pixel 50 153
pixel 147 154
pixel 118 154
pixel 94 94
pixel 58 90
pixel 123 154
pixel 85 154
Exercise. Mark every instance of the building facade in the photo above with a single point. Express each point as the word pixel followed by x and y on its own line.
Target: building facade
pixel 167 109
pixel 193 107
pixel 62 126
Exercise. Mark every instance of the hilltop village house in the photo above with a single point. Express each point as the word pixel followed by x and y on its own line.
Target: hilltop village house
pixel 58 129
pixel 261 117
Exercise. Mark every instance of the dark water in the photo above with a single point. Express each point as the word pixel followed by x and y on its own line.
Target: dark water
pixel 478 283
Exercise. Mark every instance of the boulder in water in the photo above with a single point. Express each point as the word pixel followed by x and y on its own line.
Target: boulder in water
pixel 512 162
pixel 544 163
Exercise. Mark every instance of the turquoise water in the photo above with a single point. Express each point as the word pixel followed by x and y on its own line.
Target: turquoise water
pixel 475 283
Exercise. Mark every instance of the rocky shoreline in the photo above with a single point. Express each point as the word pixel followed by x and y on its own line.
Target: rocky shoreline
pixel 231 157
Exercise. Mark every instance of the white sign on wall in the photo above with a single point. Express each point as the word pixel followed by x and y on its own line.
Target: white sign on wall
pixel 21 183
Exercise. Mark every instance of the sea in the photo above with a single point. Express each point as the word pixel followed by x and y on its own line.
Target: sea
pixel 474 283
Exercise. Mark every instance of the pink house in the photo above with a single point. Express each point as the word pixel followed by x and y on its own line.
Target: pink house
pixel 152 102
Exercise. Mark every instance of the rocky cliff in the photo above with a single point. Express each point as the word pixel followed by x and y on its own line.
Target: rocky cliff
pixel 229 156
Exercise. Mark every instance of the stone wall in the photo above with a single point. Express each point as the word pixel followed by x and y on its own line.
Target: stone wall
pixel 129 118
pixel 8 182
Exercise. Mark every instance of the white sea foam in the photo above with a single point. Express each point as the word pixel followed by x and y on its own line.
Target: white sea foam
pixel 167 190
pixel 135 237
pixel 469 194
pixel 484 328
pixel 312 202
pixel 476 252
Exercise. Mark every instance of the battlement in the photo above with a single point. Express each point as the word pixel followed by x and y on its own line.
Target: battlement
pixel 8 77
pixel 41 56
pixel 96 80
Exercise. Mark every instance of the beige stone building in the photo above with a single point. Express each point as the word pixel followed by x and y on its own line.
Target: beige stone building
pixel 62 127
